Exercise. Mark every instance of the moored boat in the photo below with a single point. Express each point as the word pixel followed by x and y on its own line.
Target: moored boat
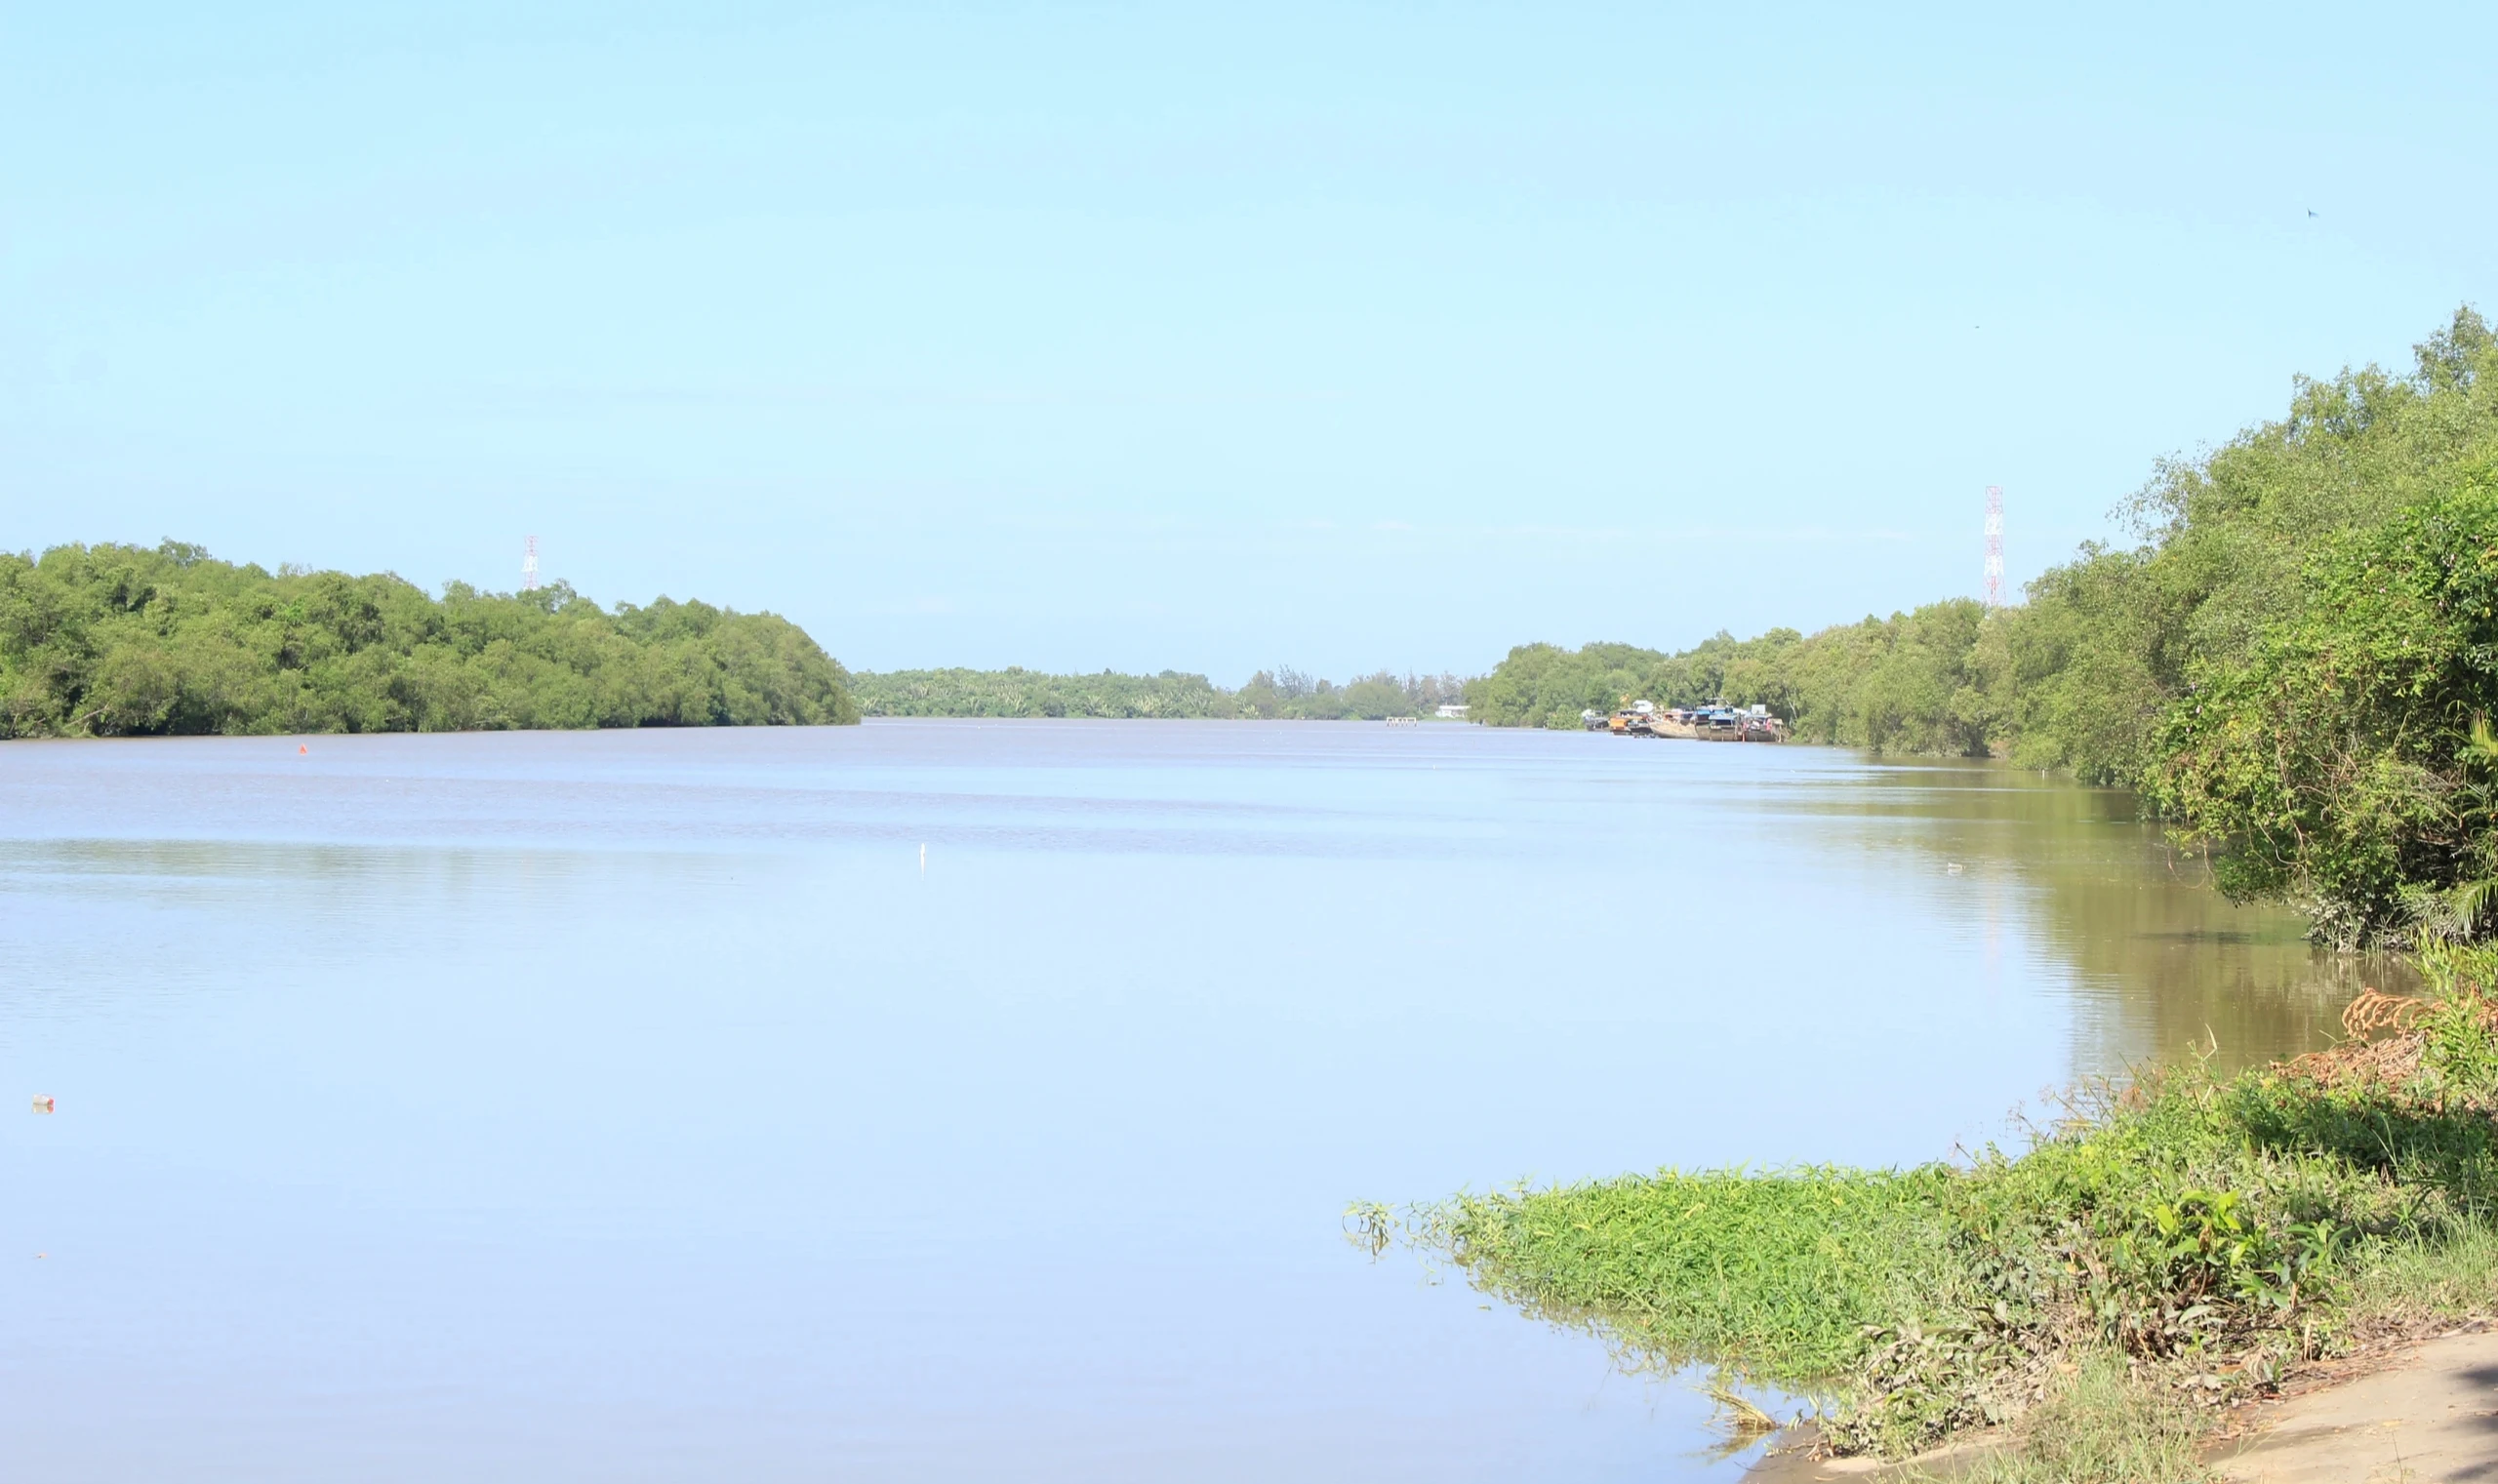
pixel 1716 722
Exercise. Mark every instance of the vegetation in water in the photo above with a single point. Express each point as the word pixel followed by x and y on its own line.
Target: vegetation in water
pixel 106 641
pixel 2288 661
pixel 1283 693
pixel 2182 1240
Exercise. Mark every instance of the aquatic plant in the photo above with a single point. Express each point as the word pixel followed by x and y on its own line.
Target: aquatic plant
pixel 2208 1233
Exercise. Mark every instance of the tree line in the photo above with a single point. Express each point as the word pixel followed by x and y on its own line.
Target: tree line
pixel 2293 659
pixel 1282 694
pixel 128 641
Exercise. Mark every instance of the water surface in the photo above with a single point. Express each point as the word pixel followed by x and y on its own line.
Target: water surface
pixel 637 1105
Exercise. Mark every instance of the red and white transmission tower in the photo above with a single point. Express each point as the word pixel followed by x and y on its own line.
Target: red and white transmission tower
pixel 1994 545
pixel 529 568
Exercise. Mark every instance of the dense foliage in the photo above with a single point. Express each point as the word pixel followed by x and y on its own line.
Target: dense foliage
pixel 1030 692
pixel 113 640
pixel 2288 662
pixel 1282 694
pixel 2333 760
pixel 2212 1230
pixel 1915 682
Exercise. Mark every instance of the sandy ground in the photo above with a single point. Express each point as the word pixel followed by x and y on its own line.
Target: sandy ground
pixel 2424 1415
pixel 2429 1417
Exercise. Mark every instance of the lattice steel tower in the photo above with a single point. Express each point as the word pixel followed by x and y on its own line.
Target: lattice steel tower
pixel 529 568
pixel 1994 545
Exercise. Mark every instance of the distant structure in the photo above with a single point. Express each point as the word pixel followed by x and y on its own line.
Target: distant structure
pixel 1994 545
pixel 529 568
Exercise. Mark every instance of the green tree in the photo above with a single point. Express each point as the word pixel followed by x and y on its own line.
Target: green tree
pixel 2331 758
pixel 115 640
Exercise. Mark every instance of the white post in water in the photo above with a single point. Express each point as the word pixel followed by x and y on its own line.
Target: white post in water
pixel 529 568
pixel 1994 545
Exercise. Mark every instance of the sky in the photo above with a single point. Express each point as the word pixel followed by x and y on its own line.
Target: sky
pixel 1200 338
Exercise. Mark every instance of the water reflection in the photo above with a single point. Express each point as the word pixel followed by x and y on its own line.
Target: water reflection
pixel 2160 962
pixel 641 1104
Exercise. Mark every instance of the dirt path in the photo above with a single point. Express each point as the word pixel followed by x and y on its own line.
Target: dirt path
pixel 2428 1414
pixel 2429 1417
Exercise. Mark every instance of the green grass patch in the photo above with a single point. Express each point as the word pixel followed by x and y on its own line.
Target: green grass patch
pixel 2447 1275
pixel 1774 1275
pixel 2105 1421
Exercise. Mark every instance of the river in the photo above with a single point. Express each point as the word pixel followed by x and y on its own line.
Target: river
pixel 953 1100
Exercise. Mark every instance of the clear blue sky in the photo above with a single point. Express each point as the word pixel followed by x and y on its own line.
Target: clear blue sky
pixel 1086 335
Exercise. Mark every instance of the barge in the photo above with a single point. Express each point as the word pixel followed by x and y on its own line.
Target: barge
pixel 1716 722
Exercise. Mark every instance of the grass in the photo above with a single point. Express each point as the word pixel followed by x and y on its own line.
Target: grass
pixel 2451 1277
pixel 2105 1423
pixel 1774 1277
pixel 2163 1247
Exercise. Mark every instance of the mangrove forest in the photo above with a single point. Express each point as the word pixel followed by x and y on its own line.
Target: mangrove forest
pixel 1282 694
pixel 135 641
pixel 2293 659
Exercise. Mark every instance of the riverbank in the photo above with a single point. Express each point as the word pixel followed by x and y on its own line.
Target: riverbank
pixel 2092 1305
pixel 2416 1411
pixel 1284 695
pixel 2425 1413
